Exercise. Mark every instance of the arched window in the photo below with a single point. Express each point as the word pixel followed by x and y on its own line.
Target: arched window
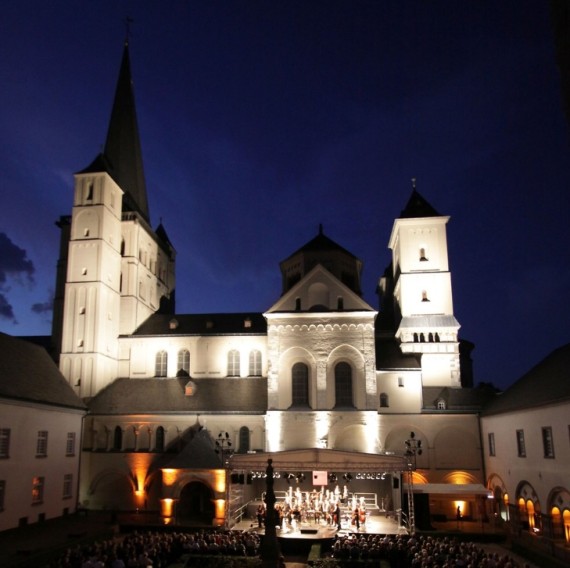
pixel 441 405
pixel 161 364
pixel 423 256
pixel 430 337
pixel 384 400
pixel 300 385
pixel 159 441
pixel 255 363
pixel 118 438
pixel 243 440
pixel 416 338
pixel 122 247
pixel 183 363
pixel 343 385
pixel 233 363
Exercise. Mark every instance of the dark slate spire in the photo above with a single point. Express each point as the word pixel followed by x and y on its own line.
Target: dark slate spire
pixel 122 147
pixel 417 206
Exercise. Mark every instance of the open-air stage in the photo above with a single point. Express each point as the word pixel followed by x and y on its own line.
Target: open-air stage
pixel 376 523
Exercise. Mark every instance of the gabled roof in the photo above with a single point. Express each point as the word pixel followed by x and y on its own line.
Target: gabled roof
pixel 247 323
pixel 319 274
pixel 457 399
pixel 546 383
pixel 28 373
pixel 418 207
pixel 156 395
pixel 321 243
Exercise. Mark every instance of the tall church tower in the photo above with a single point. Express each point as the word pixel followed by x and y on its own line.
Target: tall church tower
pixel 114 270
pixel 423 303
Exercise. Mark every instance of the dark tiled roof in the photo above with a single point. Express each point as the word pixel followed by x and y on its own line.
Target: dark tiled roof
pixel 418 207
pixel 546 383
pixel 390 356
pixel 198 453
pixel 28 373
pixel 227 395
pixel 458 399
pixel 321 243
pixel 203 324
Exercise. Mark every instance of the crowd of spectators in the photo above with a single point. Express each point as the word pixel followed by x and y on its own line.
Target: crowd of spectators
pixel 158 549
pixel 419 552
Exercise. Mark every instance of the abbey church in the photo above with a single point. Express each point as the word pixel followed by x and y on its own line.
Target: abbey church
pixel 181 411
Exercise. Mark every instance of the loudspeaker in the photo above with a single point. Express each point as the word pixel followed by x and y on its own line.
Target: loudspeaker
pixel 395 483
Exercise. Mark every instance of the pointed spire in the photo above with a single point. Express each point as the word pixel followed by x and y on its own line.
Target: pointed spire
pixel 417 206
pixel 122 147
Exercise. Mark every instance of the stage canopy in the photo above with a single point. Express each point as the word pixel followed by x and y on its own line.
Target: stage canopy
pixel 315 459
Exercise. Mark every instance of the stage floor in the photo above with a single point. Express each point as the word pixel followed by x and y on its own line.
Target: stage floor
pixel 375 524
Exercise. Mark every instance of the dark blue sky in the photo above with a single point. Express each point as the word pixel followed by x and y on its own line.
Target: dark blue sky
pixel 260 120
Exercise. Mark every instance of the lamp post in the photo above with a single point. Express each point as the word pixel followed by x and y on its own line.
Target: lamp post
pixel 413 448
pixel 224 450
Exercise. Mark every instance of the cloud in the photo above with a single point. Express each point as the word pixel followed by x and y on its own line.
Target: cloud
pixel 14 264
pixel 6 310
pixel 43 307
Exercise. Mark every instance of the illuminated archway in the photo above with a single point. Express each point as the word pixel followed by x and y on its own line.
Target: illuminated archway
pixel 566 521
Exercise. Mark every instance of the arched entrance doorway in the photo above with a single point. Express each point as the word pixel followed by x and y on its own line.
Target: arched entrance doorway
pixel 196 504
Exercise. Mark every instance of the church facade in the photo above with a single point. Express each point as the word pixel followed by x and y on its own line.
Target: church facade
pixel 172 396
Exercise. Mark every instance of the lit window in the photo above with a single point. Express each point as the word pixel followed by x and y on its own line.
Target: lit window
pixel 521 448
pixel 233 363
pixel 183 362
pixel 547 442
pixel 491 444
pixel 343 385
pixel 161 364
pixel 4 442
pixel 41 445
pixel 300 385
pixel 255 363
pixel 37 490
pixel 70 444
pixel 67 486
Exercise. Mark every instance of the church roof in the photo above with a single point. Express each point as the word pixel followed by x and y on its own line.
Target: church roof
pixel 203 324
pixel 390 356
pixel 28 373
pixel 546 383
pixel 223 395
pixel 321 243
pixel 457 399
pixel 418 207
pixel 122 155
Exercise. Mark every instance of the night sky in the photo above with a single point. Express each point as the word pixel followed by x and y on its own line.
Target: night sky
pixel 260 120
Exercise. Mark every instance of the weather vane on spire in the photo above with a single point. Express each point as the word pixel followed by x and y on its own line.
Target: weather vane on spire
pixel 128 22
